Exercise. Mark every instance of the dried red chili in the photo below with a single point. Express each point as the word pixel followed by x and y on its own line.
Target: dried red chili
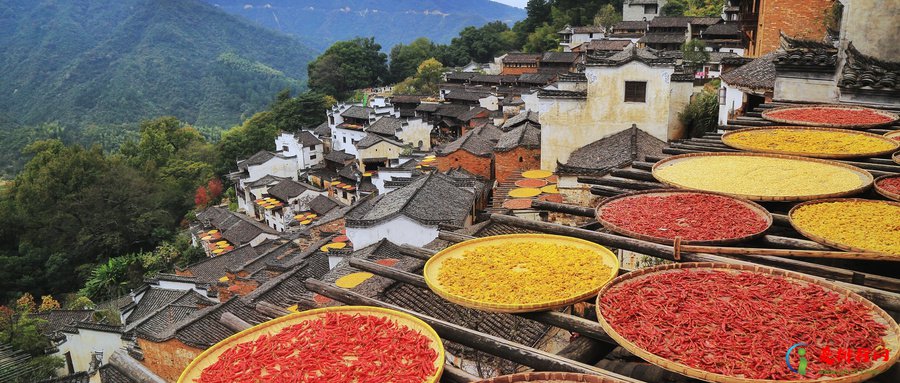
pixel 691 216
pixel 739 323
pixel 338 348
pixel 838 116
pixel 890 184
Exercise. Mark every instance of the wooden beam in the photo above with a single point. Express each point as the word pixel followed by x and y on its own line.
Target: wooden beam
pixel 455 375
pixel 233 322
pixel 271 310
pixel 415 252
pixel 887 300
pixel 586 350
pixel 608 191
pixel 389 272
pixel 639 175
pixel 792 243
pixel 512 351
pixel 580 211
pixel 132 368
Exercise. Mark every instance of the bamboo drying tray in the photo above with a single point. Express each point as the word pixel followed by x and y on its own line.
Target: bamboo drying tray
pixel 550 377
pixel 433 266
pixel 211 355
pixel 896 157
pixel 891 340
pixel 768 116
pixel 882 191
pixel 894 135
pixel 865 177
pixel 756 208
pixel 728 139
pixel 875 255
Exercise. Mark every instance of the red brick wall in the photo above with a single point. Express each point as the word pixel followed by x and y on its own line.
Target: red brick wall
pixel 167 359
pixel 480 166
pixel 518 71
pixel 507 163
pixel 796 18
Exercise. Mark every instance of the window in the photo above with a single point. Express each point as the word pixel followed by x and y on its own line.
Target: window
pixel 284 148
pixel 635 91
pixel 345 139
pixel 650 9
pixel 312 156
pixel 521 159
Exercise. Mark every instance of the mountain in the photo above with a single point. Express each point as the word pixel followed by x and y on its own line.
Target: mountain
pixel 120 61
pixel 320 23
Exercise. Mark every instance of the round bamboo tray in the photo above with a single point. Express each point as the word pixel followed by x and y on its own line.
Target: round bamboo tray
pixel 728 139
pixel 433 267
pixel 864 176
pixel 756 208
pixel 838 245
pixel 891 340
pixel 211 355
pixel 550 377
pixel 886 193
pixel 768 116
pixel 896 157
pixel 893 135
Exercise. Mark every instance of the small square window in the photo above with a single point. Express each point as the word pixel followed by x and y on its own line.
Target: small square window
pixel 635 91
pixel 650 9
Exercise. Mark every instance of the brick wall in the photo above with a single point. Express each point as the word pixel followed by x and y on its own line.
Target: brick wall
pixel 796 18
pixel 518 70
pixel 167 359
pixel 480 166
pixel 507 163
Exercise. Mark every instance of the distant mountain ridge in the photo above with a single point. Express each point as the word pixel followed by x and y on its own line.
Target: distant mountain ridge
pixel 320 23
pixel 120 61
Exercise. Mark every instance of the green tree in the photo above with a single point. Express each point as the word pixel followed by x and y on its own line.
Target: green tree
pixel 21 330
pixel 702 113
pixel 348 65
pixel 307 110
pixel 406 58
pixel 694 53
pixel 112 279
pixel 484 43
pixel 544 39
pixel 238 143
pixel 425 81
pixel 697 8
pixel 40 368
pixel 607 16
pixel 81 303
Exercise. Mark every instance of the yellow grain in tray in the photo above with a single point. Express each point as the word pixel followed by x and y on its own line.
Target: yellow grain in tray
pixel 759 176
pixel 808 141
pixel 867 225
pixel 523 273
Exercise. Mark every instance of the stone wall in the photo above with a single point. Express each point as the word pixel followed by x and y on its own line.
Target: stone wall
pixel 480 166
pixel 804 19
pixel 508 163
pixel 167 359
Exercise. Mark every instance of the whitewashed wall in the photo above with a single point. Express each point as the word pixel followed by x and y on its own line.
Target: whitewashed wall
pixel 84 343
pixel 399 230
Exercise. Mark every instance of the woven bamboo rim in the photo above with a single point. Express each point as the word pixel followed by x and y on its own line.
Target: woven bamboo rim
pixel 768 116
pixel 211 355
pixel 894 135
pixel 885 192
pixel 550 377
pixel 891 340
pixel 896 157
pixel 756 208
pixel 834 244
pixel 727 136
pixel 433 266
pixel 864 175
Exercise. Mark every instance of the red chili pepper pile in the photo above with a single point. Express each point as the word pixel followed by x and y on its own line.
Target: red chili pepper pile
pixel 691 216
pixel 842 116
pixel 338 348
pixel 891 184
pixel 739 323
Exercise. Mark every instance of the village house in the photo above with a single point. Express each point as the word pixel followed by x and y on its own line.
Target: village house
pixel 635 86
pixel 473 151
pixel 602 45
pixel 517 150
pixel 418 208
pixel 295 197
pixel 746 87
pixel 375 150
pixel 560 62
pixel 516 63
pixel 260 165
pixel 302 145
pixel 629 30
pixel 406 104
pixel 411 131
pixel 323 133
pixel 724 37
pixel 406 170
pixel 235 228
pixel 669 33
pixel 574 36
pixel 642 10
pixel 763 21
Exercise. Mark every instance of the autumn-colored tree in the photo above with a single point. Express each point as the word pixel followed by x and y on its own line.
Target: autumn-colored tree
pixel 25 303
pixel 214 189
pixel 201 197
pixel 48 303
pixel 6 316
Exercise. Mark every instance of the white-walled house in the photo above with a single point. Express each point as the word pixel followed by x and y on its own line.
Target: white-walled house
pixel 745 87
pixel 375 151
pixel 571 37
pixel 412 131
pixel 412 213
pixel 263 164
pixel 303 145
pixel 87 346
pixel 632 87
pixel 295 196
pixel 405 170
pixel 638 10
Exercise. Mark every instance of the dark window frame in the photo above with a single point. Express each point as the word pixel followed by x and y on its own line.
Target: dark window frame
pixel 636 91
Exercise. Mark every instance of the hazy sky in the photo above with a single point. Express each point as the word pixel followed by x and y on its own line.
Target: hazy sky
pixel 514 3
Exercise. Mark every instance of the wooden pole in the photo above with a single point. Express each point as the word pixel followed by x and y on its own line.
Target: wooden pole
pixel 271 310
pixel 132 368
pixel 788 252
pixel 415 252
pixel 233 322
pixel 512 351
pixel 455 375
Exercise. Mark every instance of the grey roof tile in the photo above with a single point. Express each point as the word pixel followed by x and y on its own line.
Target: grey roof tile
pixel 470 142
pixel 430 200
pixel 526 135
pixel 358 112
pixel 757 75
pixel 385 126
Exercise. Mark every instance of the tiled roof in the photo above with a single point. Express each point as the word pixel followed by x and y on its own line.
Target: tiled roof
pixel 285 250
pixel 203 328
pixel 549 93
pixel 351 172
pixel 612 151
pixel 287 189
pixel 535 78
pixel 323 130
pixel 267 179
pixel 521 118
pixel 470 142
pixel 59 320
pixel 671 22
pixel 716 57
pixel 385 126
pixel 644 55
pixel 630 25
pixel 111 374
pixel 166 316
pixel 521 58
pixel 322 204
pixel 663 38
pixel 588 29
pixel 427 107
pixel 705 21
pixel 560 57
pixel 864 72
pixel 757 75
pixel 489 132
pixel 460 75
pixel 605 45
pixel 244 231
pixel 406 99
pixel 358 112
pixel 430 200
pixel 810 55
pixel 78 377
pixel 450 110
pixel 104 327
pixel 472 113
pixel 339 156
pixel 152 300
pixel 526 135
pixel 723 29
pixel 288 288
pixel 465 95
pixel 211 269
pixel 307 139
